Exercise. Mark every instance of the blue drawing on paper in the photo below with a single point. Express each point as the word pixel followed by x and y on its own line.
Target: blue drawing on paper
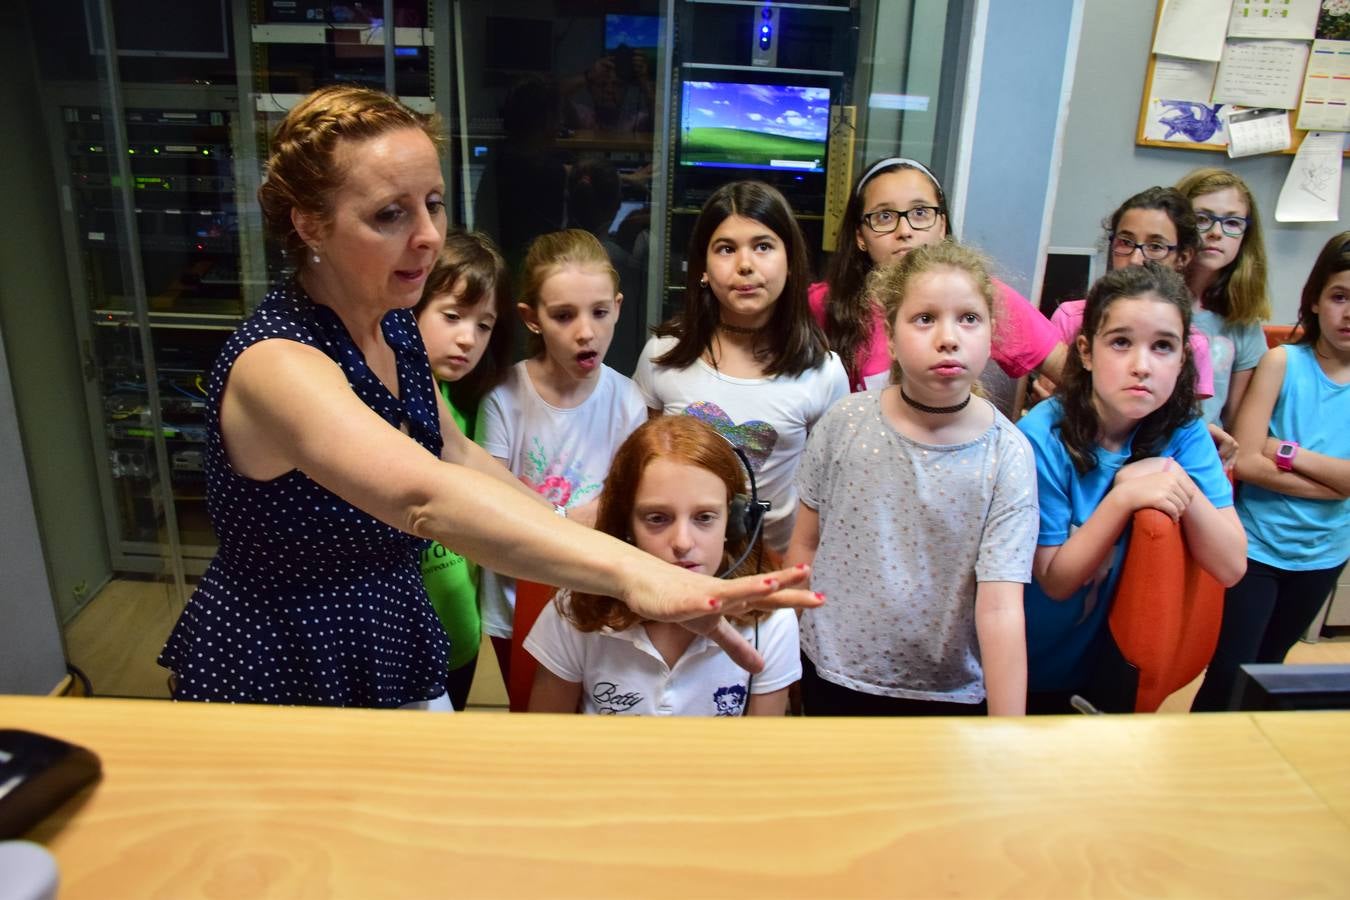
pixel 1195 121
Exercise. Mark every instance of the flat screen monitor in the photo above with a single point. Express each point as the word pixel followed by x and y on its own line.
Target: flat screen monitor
pixel 733 125
pixel 168 29
pixel 638 32
pixel 1288 687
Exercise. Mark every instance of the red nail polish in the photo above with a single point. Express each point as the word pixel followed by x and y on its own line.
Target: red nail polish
pixel 819 595
pixel 800 566
pixel 771 582
pixel 713 602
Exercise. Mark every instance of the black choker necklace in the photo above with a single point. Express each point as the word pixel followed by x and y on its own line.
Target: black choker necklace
pixel 934 410
pixel 738 329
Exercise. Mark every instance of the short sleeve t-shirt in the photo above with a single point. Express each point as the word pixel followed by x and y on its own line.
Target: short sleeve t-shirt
pixel 563 454
pixel 907 530
pixel 1232 348
pixel 622 672
pixel 767 418
pixel 1061 633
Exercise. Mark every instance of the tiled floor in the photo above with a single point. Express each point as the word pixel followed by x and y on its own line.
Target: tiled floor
pixel 116 638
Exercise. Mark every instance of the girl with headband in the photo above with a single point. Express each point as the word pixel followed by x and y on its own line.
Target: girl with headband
pixel 897 205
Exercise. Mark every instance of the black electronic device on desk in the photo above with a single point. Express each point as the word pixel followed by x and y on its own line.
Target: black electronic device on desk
pixel 38 774
pixel 1262 686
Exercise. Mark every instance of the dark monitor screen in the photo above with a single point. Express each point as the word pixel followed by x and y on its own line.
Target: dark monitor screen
pixel 734 125
pixel 518 45
pixel 167 28
pixel 1289 687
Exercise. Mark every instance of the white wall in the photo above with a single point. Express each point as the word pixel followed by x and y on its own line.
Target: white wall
pixel 1102 166
pixel 1013 149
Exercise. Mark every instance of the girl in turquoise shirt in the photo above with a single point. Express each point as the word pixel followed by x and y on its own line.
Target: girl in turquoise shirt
pixel 1294 462
pixel 1123 433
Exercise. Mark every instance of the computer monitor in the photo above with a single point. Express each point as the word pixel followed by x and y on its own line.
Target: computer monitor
pixel 167 29
pixel 638 32
pixel 1288 687
pixel 735 125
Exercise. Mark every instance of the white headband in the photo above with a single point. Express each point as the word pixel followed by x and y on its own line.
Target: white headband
pixel 898 161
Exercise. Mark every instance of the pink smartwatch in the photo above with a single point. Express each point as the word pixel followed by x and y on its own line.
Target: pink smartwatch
pixel 1284 455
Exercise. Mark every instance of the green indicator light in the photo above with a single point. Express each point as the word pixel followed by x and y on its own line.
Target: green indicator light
pixel 131 150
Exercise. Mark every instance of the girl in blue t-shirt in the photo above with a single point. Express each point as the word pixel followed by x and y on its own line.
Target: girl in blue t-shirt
pixel 1121 435
pixel 1295 462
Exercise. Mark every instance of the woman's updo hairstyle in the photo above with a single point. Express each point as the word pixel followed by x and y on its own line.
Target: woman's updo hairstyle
pixel 302 172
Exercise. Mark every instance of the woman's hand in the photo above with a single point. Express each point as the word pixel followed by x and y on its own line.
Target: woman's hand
pixel 667 593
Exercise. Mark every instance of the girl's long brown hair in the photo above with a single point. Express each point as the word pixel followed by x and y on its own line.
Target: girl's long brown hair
pixel 681 439
pixel 849 308
pixel 1081 424
pixel 1334 258
pixel 473 257
pixel 1238 293
pixel 793 343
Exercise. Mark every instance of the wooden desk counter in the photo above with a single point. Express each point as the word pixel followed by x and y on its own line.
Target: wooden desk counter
pixel 220 801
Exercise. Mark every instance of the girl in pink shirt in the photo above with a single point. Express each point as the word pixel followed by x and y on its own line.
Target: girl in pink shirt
pixel 898 205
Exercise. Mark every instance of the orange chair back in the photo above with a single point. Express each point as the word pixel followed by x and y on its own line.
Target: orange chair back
pixel 1166 613
pixel 1281 334
pixel 531 598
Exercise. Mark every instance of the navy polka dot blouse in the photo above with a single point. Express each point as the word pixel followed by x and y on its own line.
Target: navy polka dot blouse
pixel 309 600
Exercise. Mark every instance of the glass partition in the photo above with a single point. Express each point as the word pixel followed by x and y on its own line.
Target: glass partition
pixel 559 113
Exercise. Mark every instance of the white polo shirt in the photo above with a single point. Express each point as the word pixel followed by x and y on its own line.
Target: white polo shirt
pixel 622 672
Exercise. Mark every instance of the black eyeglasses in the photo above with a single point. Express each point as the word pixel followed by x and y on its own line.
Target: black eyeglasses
pixel 1123 246
pixel 1233 226
pixel 920 218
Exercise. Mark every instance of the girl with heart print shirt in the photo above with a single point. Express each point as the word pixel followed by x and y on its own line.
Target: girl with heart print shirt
pixel 745 356
pixel 559 415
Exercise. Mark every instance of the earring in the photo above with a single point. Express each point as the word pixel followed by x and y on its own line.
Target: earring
pixel 703 280
pixel 315 257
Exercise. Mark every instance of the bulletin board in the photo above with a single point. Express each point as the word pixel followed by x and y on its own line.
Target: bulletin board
pixel 1195 122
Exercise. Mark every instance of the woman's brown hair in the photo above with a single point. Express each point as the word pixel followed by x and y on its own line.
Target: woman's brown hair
pixel 681 439
pixel 473 258
pixel 303 173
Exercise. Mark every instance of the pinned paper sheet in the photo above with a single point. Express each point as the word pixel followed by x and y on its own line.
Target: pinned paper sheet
pixel 1326 87
pixel 1254 131
pixel 1193 29
pixel 1290 19
pixel 1183 79
pixel 1267 74
pixel 1312 192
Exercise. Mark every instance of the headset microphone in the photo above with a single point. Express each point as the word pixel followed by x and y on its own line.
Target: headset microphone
pixel 745 516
